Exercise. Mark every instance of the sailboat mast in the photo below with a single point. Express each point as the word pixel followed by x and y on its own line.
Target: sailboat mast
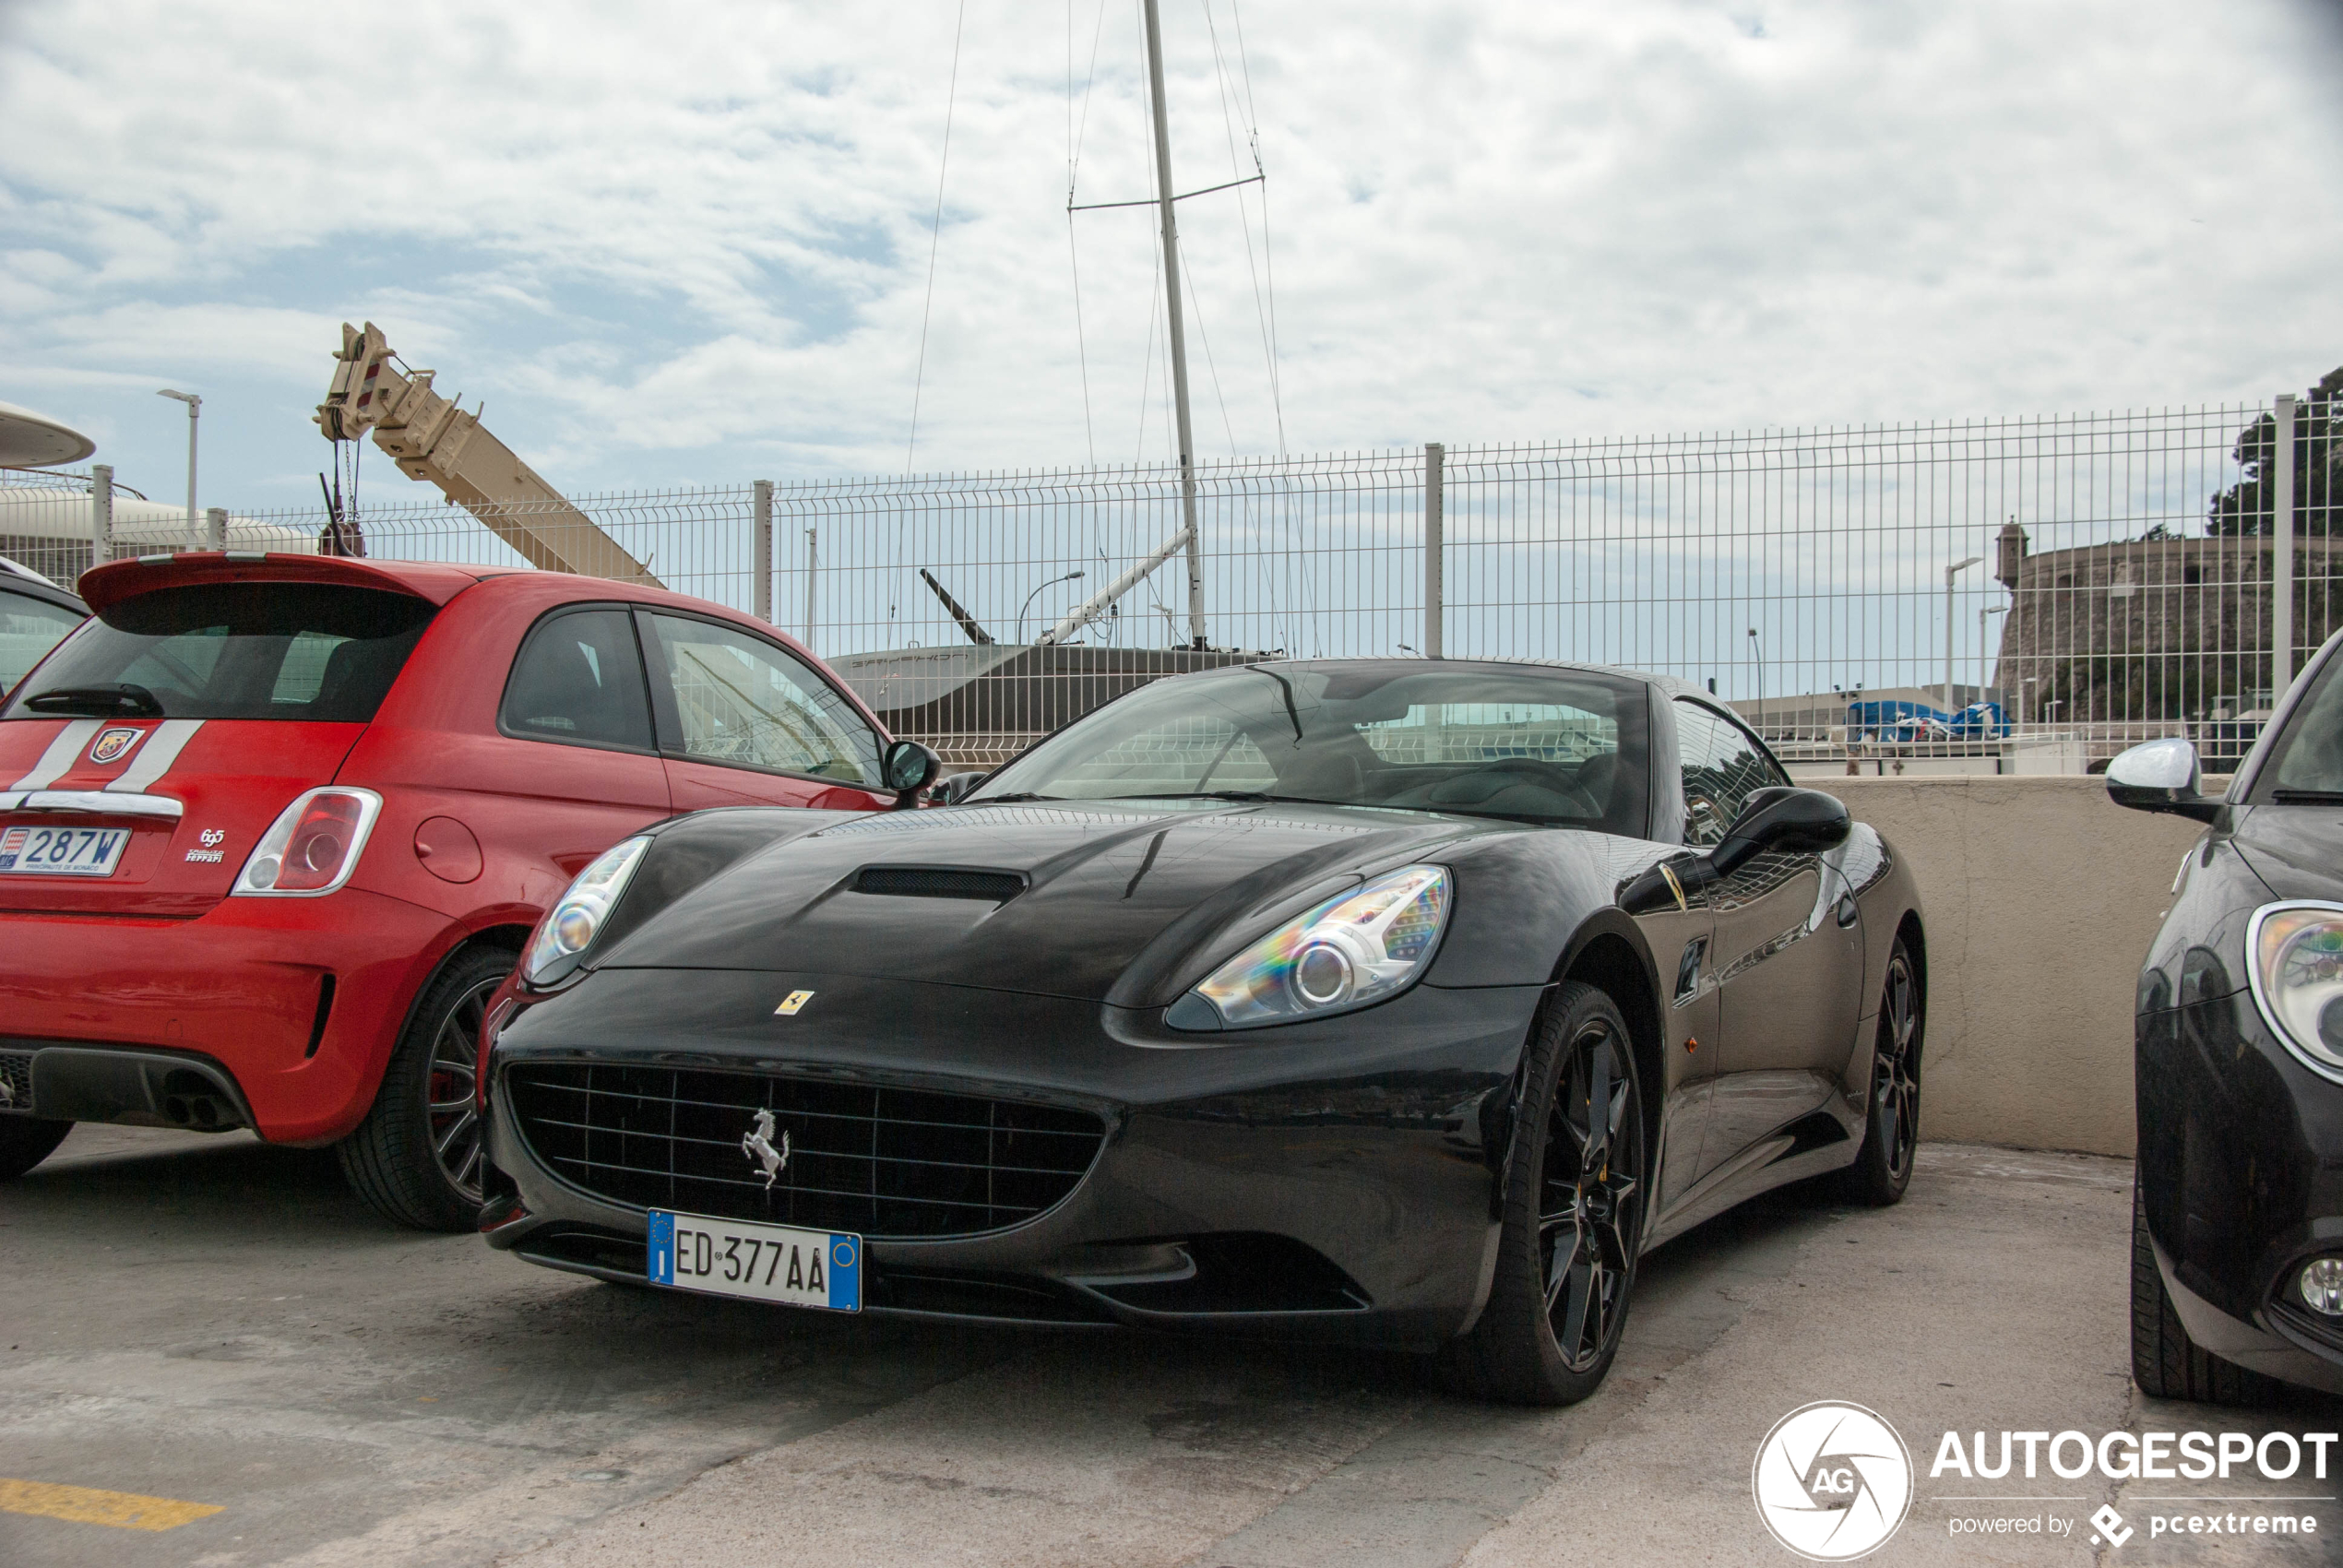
pixel 1177 330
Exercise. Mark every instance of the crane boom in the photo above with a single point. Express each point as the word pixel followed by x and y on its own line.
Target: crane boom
pixel 431 438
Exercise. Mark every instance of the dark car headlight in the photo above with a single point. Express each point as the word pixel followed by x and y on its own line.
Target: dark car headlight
pixel 2295 955
pixel 583 910
pixel 1354 950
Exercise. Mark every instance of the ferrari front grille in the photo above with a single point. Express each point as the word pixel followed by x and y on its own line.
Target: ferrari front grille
pixel 879 1162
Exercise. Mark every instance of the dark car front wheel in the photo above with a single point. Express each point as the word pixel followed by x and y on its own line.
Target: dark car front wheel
pixel 2166 1363
pixel 416 1158
pixel 1576 1190
pixel 25 1141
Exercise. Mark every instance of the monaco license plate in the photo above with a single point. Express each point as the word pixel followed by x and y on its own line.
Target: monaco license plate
pixel 61 851
pixel 760 1263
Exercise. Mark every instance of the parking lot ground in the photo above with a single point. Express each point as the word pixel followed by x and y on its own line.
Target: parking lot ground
pixel 206 1323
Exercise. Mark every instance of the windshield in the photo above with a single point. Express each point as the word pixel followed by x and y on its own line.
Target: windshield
pixel 1560 746
pixel 232 650
pixel 2307 766
pixel 29 628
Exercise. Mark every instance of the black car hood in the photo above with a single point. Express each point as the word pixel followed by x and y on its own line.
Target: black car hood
pixel 1119 903
pixel 2297 849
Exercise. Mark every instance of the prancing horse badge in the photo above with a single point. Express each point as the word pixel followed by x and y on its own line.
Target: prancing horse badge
pixel 792 1003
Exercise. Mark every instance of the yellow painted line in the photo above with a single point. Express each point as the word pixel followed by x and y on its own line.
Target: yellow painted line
pixel 87 1505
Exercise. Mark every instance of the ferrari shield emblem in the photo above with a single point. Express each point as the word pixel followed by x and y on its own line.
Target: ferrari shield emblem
pixel 792 1002
pixel 111 743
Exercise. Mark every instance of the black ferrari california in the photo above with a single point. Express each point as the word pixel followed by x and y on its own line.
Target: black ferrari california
pixel 2237 1212
pixel 1401 1002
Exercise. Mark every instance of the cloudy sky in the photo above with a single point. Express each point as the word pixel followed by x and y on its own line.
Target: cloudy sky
pixel 692 244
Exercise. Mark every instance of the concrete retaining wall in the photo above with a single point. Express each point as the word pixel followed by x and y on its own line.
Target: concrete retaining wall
pixel 2040 897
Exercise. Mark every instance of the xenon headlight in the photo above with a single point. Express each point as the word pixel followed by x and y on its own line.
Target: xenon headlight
pixel 1361 947
pixel 2295 954
pixel 574 923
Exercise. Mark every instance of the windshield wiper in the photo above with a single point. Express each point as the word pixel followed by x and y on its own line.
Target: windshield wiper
pixel 122 700
pixel 1008 800
pixel 1248 797
pixel 2307 797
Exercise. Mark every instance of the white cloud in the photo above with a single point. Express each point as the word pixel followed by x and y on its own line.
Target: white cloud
pixel 670 245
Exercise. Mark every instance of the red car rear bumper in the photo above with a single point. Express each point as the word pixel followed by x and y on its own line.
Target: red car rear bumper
pixel 241 985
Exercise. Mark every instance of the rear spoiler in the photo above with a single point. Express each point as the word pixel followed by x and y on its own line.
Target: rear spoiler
pixel 105 587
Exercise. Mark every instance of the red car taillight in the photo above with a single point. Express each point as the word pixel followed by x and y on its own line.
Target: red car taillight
pixel 313 846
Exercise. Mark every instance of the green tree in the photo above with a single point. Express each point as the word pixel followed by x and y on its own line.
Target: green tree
pixel 2246 508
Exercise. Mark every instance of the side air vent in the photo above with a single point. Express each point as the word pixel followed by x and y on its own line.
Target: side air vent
pixel 939 881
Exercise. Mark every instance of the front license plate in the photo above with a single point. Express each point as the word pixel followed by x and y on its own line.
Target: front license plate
pixel 762 1263
pixel 61 851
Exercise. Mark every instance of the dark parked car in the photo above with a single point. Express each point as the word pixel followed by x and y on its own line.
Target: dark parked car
pixel 1404 1001
pixel 2237 1249
pixel 35 615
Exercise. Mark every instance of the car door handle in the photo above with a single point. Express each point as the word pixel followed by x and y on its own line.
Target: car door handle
pixel 1848 911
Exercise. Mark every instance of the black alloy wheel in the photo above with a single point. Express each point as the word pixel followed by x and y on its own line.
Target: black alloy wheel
pixel 416 1158
pixel 1883 1166
pixel 1575 1199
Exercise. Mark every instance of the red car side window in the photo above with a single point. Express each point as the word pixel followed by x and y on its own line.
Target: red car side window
pixel 579 679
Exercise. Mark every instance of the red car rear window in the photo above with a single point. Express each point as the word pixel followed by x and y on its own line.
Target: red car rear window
pixel 232 650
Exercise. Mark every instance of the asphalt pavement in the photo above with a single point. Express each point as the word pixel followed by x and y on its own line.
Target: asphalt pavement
pixel 211 1354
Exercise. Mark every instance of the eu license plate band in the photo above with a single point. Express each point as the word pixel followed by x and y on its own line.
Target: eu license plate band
pixel 49 851
pixel 759 1263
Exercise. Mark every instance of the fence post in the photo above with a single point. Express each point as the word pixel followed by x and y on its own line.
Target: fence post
pixel 101 514
pixel 813 564
pixel 2282 556
pixel 763 597
pixel 214 528
pixel 1434 509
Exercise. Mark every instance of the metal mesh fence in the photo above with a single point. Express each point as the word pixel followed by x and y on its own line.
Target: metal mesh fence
pixel 2112 575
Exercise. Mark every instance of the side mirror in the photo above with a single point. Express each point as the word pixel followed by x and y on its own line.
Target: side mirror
pixel 908 767
pixel 1778 820
pixel 955 790
pixel 1781 820
pixel 2160 775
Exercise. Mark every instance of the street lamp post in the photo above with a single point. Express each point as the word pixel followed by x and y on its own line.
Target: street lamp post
pixel 1758 648
pixel 195 411
pixel 1070 577
pixel 1990 610
pixel 1950 573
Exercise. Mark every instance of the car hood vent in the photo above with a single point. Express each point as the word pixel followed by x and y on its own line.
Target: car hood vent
pixel 939 881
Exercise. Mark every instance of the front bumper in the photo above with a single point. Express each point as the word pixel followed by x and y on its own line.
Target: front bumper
pixel 2240 1171
pixel 1336 1180
pixel 241 990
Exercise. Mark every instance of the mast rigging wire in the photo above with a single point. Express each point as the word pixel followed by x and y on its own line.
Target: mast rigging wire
pixel 927 305
pixel 935 233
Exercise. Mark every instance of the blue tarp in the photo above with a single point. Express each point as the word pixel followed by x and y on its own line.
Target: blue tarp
pixel 1915 721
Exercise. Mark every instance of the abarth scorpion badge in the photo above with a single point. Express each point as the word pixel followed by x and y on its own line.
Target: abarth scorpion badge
pixel 759 1146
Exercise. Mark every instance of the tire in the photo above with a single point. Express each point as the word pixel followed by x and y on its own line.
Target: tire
pixel 26 1141
pixel 2166 1363
pixel 416 1158
pixel 1574 1196
pixel 1883 1167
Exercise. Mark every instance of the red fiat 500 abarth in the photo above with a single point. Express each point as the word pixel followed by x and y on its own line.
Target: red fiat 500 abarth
pixel 273 828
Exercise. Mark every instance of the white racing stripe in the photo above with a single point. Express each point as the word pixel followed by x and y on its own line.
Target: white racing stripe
pixel 62 753
pixel 155 756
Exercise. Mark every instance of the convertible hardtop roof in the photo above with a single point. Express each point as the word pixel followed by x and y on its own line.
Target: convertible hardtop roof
pixel 1666 685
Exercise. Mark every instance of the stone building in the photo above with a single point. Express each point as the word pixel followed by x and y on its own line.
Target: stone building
pixel 2153 629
